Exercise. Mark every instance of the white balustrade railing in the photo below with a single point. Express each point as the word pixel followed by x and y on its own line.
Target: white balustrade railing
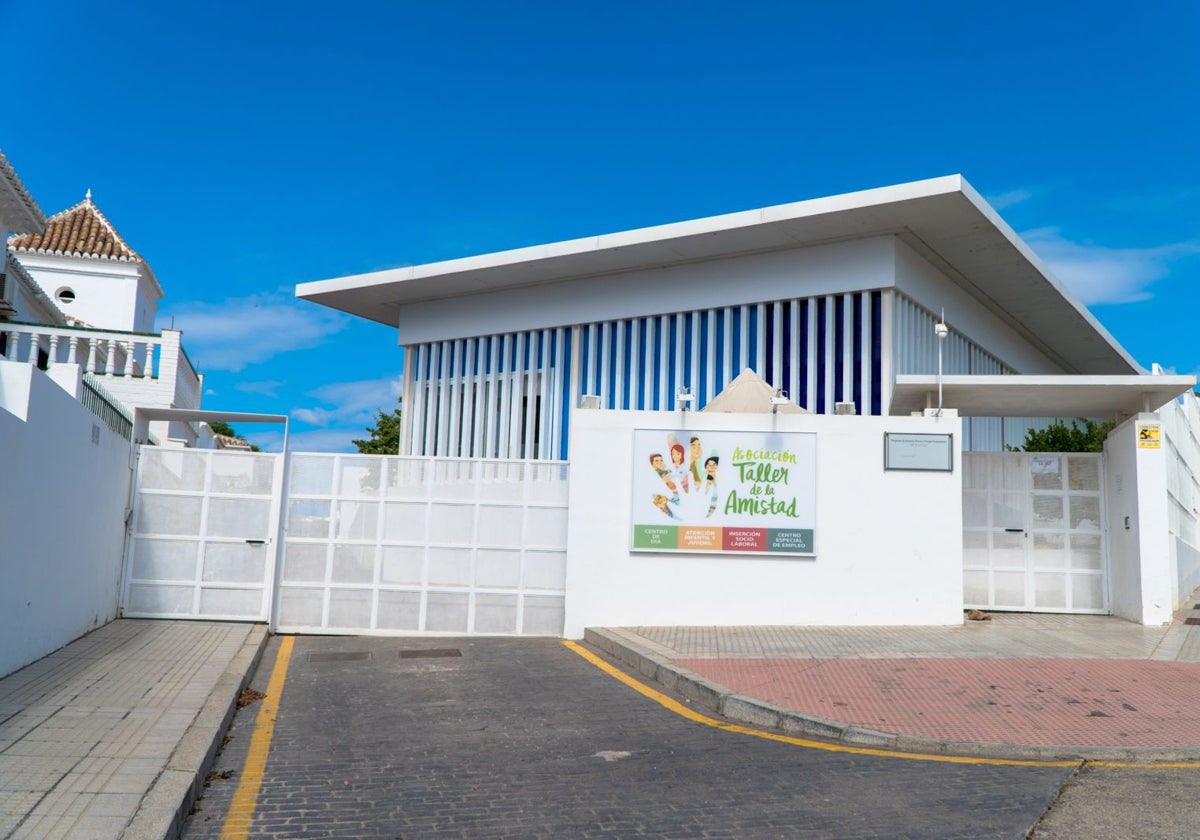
pixel 100 352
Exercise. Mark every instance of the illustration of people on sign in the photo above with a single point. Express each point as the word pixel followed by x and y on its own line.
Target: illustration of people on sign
pixel 684 487
pixel 710 483
pixel 695 456
pixel 679 469
pixel 660 502
pixel 656 463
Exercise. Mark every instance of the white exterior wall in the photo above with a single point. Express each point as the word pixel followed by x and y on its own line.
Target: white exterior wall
pixel 1181 440
pixel 1141 571
pixel 62 519
pixel 889 544
pixel 779 275
pixel 109 294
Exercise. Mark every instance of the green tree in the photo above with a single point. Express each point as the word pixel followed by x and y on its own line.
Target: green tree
pixel 384 435
pixel 220 427
pixel 1082 435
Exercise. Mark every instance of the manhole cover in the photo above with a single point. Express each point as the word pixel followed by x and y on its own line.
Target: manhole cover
pixel 339 656
pixel 430 653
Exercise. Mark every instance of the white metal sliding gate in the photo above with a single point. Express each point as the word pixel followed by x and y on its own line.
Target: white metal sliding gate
pixel 1033 532
pixel 373 544
pixel 203 532
pixel 401 545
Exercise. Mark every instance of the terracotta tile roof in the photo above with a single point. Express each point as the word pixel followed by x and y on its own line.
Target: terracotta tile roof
pixel 80 231
pixel 17 204
pixel 227 442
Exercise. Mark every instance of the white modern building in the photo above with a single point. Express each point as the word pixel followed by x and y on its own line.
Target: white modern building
pixel 835 302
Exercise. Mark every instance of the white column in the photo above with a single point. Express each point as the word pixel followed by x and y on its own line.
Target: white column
pixel 795 353
pixel 479 381
pixel 431 400
pixel 710 356
pixel 865 351
pixel 692 319
pixel 110 362
pixel 454 383
pixel 776 348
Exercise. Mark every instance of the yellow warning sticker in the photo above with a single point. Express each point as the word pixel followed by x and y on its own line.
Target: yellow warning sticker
pixel 1149 436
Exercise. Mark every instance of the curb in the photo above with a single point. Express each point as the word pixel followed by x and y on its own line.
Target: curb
pixel 658 666
pixel 169 801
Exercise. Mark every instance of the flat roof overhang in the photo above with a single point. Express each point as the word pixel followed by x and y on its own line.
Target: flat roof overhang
pixel 195 415
pixel 1038 396
pixel 142 416
pixel 943 219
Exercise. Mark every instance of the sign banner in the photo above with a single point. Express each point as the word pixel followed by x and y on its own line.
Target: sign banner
pixel 1149 435
pixel 724 492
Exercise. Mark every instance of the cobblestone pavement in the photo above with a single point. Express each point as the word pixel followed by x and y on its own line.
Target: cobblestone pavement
pixel 523 738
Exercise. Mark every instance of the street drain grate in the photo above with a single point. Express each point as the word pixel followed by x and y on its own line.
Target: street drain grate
pixel 1191 621
pixel 339 656
pixel 430 653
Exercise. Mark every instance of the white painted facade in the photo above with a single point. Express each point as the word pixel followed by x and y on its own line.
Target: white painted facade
pixel 887 549
pixel 107 294
pixel 98 312
pixel 62 525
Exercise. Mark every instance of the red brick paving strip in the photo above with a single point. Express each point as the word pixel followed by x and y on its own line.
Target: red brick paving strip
pixel 1101 703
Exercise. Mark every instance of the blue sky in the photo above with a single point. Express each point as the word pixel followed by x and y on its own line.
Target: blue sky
pixel 245 147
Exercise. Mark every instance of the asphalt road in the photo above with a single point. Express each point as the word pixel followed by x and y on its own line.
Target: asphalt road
pixel 524 738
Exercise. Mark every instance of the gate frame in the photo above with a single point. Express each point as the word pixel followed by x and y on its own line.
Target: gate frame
pixel 142 417
pixel 1106 560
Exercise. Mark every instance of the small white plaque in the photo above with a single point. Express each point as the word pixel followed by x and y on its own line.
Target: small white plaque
pixel 918 452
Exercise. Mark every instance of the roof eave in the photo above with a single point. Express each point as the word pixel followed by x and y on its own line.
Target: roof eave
pixel 20 210
pixel 944 214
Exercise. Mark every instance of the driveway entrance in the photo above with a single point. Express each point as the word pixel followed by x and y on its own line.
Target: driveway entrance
pixel 368 544
pixel 202 538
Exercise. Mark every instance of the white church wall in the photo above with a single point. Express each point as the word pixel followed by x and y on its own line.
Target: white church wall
pixel 106 291
pixel 62 523
pixel 888 543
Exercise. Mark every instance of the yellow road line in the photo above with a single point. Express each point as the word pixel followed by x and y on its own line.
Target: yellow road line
pixel 241 810
pixel 680 709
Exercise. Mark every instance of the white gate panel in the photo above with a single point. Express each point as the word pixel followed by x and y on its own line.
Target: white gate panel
pixel 400 545
pixel 202 535
pixel 1033 532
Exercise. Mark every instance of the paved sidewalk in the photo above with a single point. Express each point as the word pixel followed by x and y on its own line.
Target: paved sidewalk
pixel 1018 685
pixel 112 735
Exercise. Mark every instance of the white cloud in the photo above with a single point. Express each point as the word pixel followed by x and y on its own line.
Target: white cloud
pixel 247 330
pixel 1008 199
pixel 350 403
pixel 1097 274
pixel 267 388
